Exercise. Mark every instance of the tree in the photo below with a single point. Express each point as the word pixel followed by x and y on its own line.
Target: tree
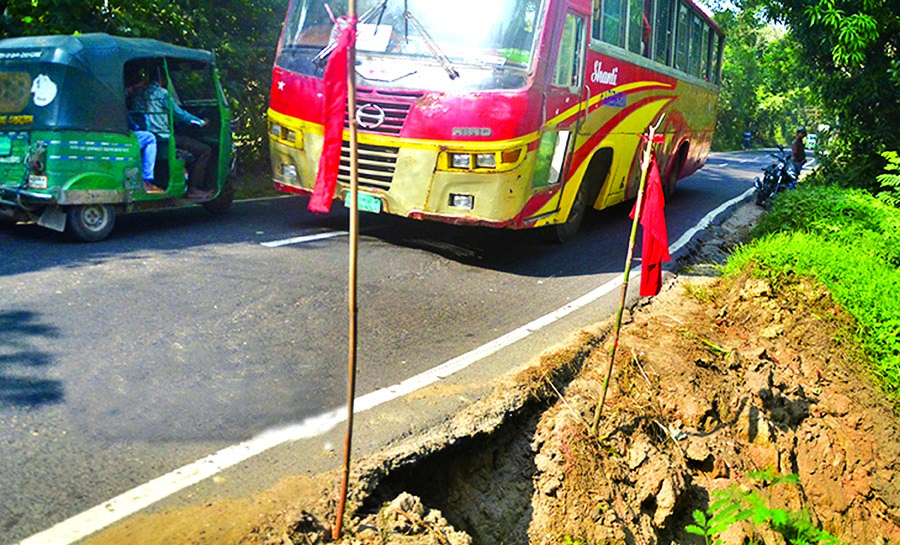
pixel 765 90
pixel 785 98
pixel 740 77
pixel 853 47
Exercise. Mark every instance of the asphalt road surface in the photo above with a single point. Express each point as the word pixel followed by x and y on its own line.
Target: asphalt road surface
pixel 184 334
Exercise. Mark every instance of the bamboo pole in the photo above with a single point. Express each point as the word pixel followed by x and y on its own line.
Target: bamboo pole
pixel 638 207
pixel 353 276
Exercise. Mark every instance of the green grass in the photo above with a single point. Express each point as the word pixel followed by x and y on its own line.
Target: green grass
pixel 849 241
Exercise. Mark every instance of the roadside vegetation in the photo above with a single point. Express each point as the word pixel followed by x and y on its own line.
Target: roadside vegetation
pixel 834 68
pixel 849 241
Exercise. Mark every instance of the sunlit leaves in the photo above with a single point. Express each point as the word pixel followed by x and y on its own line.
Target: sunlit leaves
pixel 738 504
pixel 890 179
pixel 765 86
pixel 854 32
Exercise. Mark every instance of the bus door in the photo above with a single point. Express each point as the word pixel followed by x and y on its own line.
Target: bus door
pixel 566 104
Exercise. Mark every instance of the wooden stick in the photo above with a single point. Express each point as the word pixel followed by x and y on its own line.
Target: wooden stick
pixel 353 280
pixel 645 167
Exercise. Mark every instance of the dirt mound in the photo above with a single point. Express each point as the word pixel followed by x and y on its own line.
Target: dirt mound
pixel 713 380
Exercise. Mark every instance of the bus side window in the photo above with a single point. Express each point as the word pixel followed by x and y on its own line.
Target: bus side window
pixel 569 61
pixel 640 29
pixel 682 32
pixel 717 57
pixel 612 22
pixel 662 50
pixel 696 45
pixel 704 67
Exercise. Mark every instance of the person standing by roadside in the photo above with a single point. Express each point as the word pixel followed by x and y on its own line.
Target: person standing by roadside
pixel 798 151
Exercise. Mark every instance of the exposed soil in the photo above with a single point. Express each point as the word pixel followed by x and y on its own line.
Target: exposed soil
pixel 713 379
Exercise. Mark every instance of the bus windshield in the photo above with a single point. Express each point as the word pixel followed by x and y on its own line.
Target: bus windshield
pixel 458 33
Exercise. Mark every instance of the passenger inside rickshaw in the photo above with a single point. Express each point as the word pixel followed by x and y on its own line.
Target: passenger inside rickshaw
pixel 149 101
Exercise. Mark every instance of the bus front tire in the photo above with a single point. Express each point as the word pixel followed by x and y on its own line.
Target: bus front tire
pixel 670 188
pixel 567 231
pixel 90 222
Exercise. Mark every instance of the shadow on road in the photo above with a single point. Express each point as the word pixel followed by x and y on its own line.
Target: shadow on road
pixel 22 363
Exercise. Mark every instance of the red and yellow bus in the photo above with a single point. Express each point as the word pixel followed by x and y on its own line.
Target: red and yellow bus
pixel 502 113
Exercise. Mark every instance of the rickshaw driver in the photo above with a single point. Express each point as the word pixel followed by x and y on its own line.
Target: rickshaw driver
pixel 152 100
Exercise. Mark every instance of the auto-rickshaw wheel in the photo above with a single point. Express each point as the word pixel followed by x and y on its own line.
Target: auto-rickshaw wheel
pixel 90 222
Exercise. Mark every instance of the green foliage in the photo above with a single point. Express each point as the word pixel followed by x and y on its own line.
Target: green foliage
pixel 809 232
pixel 890 180
pixel 734 505
pixel 853 49
pixel 764 87
pixel 708 528
pixel 854 32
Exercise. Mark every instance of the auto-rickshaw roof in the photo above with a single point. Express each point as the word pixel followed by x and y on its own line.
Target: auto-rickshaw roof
pixel 99 52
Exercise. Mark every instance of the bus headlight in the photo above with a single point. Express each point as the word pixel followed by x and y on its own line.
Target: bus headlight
pixel 482 161
pixel 460 160
pixel 485 160
pixel 461 200
pixel 285 134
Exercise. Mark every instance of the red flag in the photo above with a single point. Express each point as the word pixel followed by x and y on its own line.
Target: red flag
pixel 335 79
pixel 655 241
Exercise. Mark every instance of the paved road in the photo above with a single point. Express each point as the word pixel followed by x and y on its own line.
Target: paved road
pixel 183 334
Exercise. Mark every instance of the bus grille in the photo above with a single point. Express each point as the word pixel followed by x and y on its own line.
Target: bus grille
pixel 375 168
pixel 382 112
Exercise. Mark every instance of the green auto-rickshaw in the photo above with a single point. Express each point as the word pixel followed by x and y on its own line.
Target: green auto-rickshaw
pixel 70 156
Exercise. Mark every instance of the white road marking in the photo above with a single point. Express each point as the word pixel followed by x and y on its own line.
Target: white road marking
pixel 706 220
pixel 306 238
pixel 97 518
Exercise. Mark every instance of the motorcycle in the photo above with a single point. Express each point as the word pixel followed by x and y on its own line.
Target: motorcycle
pixel 779 176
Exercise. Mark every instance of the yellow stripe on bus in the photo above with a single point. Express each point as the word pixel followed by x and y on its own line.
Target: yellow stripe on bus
pixel 636 85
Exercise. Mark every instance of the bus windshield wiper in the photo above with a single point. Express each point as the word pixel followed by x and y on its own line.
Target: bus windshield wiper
pixel 367 16
pixel 432 45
